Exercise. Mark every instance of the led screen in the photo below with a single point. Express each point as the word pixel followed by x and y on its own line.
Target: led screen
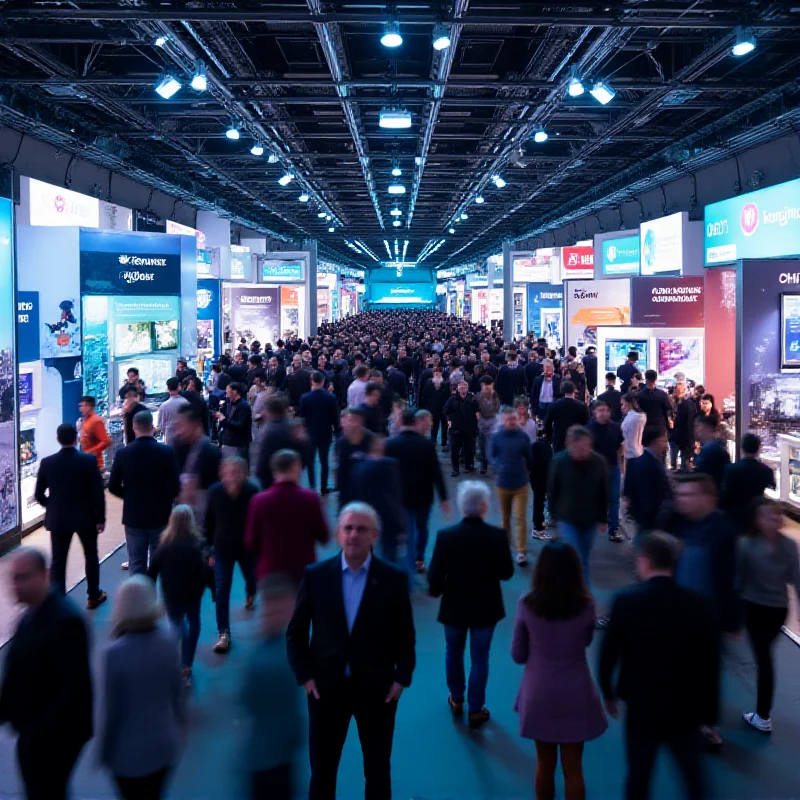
pixel 790 331
pixel 617 352
pixel 403 294
pixel 166 335
pixel 131 338
pixel 681 354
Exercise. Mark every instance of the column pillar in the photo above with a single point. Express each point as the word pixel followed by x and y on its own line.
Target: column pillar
pixel 508 294
pixel 311 288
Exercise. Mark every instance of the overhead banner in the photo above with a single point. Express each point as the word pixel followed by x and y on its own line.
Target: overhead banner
pixel 762 224
pixel 661 242
pixel 621 256
pixel 596 303
pixel 668 302
pixel 52 205
pixel 531 268
pixel 255 313
pixel 577 262
pixel 275 270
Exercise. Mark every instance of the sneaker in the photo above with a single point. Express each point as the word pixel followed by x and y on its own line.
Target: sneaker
pixel 124 565
pixel 250 602
pixel 98 601
pixel 615 536
pixel 420 567
pixel 522 559
pixel 542 536
pixel 223 643
pixel 759 723
pixel 456 706
pixel 478 718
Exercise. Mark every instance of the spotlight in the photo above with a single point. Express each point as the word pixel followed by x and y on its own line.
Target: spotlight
pixel 745 42
pixel 273 158
pixel 451 230
pixel 602 92
pixel 397 188
pixel 321 215
pixel 286 179
pixel 232 132
pixel 396 212
pixel 391 36
pixel 394 118
pixel 303 198
pixel 540 136
pixel 160 41
pixel 498 181
pixel 464 215
pixel 441 37
pixel 331 230
pixel 199 78
pixel 396 171
pixel 328 217
pixel 397 223
pixel 257 149
pixel 167 85
pixel 479 199
pixel 575 85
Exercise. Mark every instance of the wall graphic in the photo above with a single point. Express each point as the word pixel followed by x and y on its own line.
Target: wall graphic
pixel 668 302
pixel 255 314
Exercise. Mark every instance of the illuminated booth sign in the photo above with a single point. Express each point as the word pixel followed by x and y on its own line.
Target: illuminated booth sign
pixel 621 256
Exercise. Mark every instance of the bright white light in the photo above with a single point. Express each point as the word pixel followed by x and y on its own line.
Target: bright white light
pixel 540 136
pixel 745 42
pixel 303 198
pixel 602 92
pixel 286 179
pixel 479 199
pixel 396 212
pixel 418 160
pixel 167 86
pixel 451 230
pixel 232 132
pixel 328 217
pixel 272 158
pixel 441 37
pixel 391 36
pixel 257 149
pixel 575 86
pixel 396 172
pixel 321 215
pixel 464 215
pixel 160 41
pixel 498 181
pixel 397 223
pixel 199 79
pixel 331 230
pixel 394 118
pixel 397 188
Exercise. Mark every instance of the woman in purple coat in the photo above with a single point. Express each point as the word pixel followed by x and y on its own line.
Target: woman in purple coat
pixel 558 703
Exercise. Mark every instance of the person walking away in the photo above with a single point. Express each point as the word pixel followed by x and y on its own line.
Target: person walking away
pixel 654 403
pixel 236 425
pixel 226 519
pixel 130 408
pixel 510 450
pixel 357 390
pixel 271 700
pixel 298 382
pixel 541 457
pixel 352 445
pixel 607 441
pixel 70 489
pixel 681 435
pixel 578 494
pixel 433 398
pixel 354 656
pixel 469 561
pixel 277 435
pixel 461 411
pixel 660 657
pixel 613 397
pixel 590 370
pixel 49 708
pixel 627 370
pixel 546 390
pixel 633 423
pixel 144 717
pixel 320 412
pixel 558 704
pixel 647 487
pixel 488 408
pixel 510 380
pixel 745 481
pixel 713 458
pixel 285 522
pixel 145 475
pixel 563 414
pixel 374 420
pixel 168 411
pixel 94 436
pixel 181 565
pixel 767 564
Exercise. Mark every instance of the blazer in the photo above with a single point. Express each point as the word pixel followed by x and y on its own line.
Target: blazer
pixel 396 380
pixel 143 712
pixel 656 407
pixel 647 489
pixel 469 562
pixel 743 482
pixel 376 482
pixel 713 459
pixel 207 465
pixel 682 433
pixel 533 369
pixel 625 372
pixel 561 416
pixel 277 435
pixel 297 384
pixel 320 411
pixel 237 427
pixel 420 469
pixel 380 650
pixel 226 518
pixel 510 382
pixel 145 475
pixel 662 643
pixel 536 391
pixel 70 489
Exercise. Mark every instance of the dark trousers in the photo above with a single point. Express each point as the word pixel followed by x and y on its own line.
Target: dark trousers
pixel 223 578
pixel 458 442
pixel 186 618
pixel 329 718
pixel 324 449
pixel 437 423
pixel 147 787
pixel 60 542
pixel 641 749
pixel 273 784
pixel 686 454
pixel 46 767
pixel 480 643
pixel 539 499
pixel 763 625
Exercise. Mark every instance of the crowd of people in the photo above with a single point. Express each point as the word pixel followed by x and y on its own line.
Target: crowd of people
pixel 386 393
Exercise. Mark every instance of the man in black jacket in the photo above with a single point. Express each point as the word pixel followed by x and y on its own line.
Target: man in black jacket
pixel 510 380
pixel 612 397
pixel 237 371
pixel 744 481
pixel 236 423
pixel 627 370
pixel 46 690
pixel 461 412
pixel 654 402
pixel 145 476
pixel 276 435
pixel 563 414
pixel 590 368
pixel 546 390
pixel 681 436
pixel 661 638
pixel 320 412
pixel 351 644
pixel 533 369
pixel 298 382
pixel 647 487
pixel 713 458
pixel 469 562
pixel 70 489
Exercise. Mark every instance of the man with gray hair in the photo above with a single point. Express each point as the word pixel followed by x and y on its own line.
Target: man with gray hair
pixel 469 561
pixel 545 390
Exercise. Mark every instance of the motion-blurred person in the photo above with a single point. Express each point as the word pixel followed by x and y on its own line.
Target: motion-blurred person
pixel 298 382
pixel 131 406
pixel 168 410
pixel 633 423
pixel 46 689
pixel 647 488
pixel 236 423
pixel 351 447
pixel 358 388
pixel 541 457
pixel 563 414
pixel 374 420
pixel 590 369
pixel 423 423
pixel 461 412
pixel 681 435
pixel 613 397
pixel 745 481
pixel 607 441
pixel 654 403
pixel 320 412
pixel 433 398
pixel 276 435
pixel 626 371
pixel 526 424
pixel 144 719
pixel 469 561
pixel 94 436
pixel 713 458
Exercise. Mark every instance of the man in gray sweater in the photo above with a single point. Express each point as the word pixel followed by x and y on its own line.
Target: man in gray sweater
pixel 578 493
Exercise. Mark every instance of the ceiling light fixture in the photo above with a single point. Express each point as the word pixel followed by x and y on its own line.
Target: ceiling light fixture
pixel 397 188
pixel 498 181
pixel 451 230
pixel 396 171
pixel 441 37
pixel 321 215
pixel 273 158
pixel 745 42
pixel 160 41
pixel 396 212
pixel 464 215
pixel 257 149
pixel 394 118
pixel 233 131
pixel 479 199
pixel 304 198
pixel 331 230
pixel 602 92
pixel 328 217
pixel 199 78
pixel 575 85
pixel 391 36
pixel 167 85
pixel 397 223
pixel 540 136
pixel 286 179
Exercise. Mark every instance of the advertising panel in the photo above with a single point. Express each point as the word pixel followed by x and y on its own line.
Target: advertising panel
pixel 661 244
pixel 403 294
pixel 681 354
pixel 621 256
pixel 531 268
pixel 762 224
pixel 790 331
pixel 545 304
pixel 667 303
pixel 240 262
pixel 255 313
pixel 617 352
pixel 53 206
pixel 591 304
pixel 208 317
pixel 276 270
pixel 28 326
pixel 290 310
pixel 577 263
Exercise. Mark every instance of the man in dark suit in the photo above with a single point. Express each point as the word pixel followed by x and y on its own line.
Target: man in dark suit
pixel 744 481
pixel 360 655
pixel 145 476
pixel 298 382
pixel 654 402
pixel 590 368
pixel 320 411
pixel 563 414
pixel 70 489
pixel 510 380
pixel 237 371
pixel 276 435
pixel 681 436
pixel 236 423
pixel 612 397
pixel 546 390
pixel 647 487
pixel 713 458
pixel 533 369
pixel 469 561
pixel 46 690
pixel 396 381
pixel 627 370
pixel 661 638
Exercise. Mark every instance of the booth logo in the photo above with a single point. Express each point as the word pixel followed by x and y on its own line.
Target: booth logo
pixel 612 253
pixel 749 219
pixel 137 261
pixel 134 276
pixel 582 294
pixel 650 248
pixel 60 203
pixel 252 298
pixel 203 298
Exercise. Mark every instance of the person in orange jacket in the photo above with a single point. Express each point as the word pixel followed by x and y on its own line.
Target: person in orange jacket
pixel 94 436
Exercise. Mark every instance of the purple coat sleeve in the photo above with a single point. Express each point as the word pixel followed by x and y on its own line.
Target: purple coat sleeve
pixel 519 641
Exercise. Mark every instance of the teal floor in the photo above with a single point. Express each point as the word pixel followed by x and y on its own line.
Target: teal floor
pixel 437 758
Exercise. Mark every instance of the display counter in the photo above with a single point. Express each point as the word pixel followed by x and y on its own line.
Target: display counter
pixel 787 470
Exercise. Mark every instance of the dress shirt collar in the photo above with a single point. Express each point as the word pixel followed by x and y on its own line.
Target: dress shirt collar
pixel 363 568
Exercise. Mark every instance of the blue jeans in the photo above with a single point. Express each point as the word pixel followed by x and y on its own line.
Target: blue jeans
pixel 417 535
pixel 582 540
pixel 480 643
pixel 614 480
pixel 142 543
pixel 187 620
pixel 223 577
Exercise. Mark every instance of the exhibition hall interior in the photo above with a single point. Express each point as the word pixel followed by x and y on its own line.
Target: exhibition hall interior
pixel 188 186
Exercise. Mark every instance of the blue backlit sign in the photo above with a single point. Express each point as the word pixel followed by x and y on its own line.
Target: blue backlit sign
pixel 621 256
pixel 282 270
pixel 762 224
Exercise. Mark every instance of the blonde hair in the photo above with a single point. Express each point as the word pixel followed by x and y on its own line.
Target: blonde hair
pixel 136 607
pixel 181 525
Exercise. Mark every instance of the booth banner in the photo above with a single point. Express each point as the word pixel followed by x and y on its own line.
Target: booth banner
pixel 28 326
pixel 208 316
pixel 52 205
pixel 668 302
pixel 762 224
pixel 720 331
pixel 277 270
pixel 661 242
pixel 545 304
pixel 255 314
pixel 531 268
pixel 577 262
pixel 621 256
pixel 120 263
pixel 591 304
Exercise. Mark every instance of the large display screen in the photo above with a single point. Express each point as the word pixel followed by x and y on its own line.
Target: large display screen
pixel 402 294
pixel 681 354
pixel 617 352
pixel 790 331
pixel 621 256
pixel 154 371
pixel 165 335
pixel 661 243
pixel 131 338
pixel 762 224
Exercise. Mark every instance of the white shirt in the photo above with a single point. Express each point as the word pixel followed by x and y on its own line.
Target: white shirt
pixel 632 429
pixel 546 395
pixel 167 413
pixel 356 393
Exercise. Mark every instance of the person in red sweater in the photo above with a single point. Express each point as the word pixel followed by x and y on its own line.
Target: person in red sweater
pixel 285 521
pixel 94 436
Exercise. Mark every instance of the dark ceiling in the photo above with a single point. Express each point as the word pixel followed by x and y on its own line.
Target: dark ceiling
pixel 308 79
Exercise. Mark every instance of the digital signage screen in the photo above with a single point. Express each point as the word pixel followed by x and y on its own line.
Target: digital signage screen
pixel 790 331
pixel 402 294
pixel 661 243
pixel 617 352
pixel 131 338
pixel 681 354
pixel 165 335
pixel 762 224
pixel 621 256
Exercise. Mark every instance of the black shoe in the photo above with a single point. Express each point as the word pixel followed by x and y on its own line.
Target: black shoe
pixel 324 491
pixel 455 473
pixel 483 470
pixel 470 470
pixel 478 718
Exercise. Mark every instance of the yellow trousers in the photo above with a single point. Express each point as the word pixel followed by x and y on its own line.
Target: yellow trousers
pixel 516 499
